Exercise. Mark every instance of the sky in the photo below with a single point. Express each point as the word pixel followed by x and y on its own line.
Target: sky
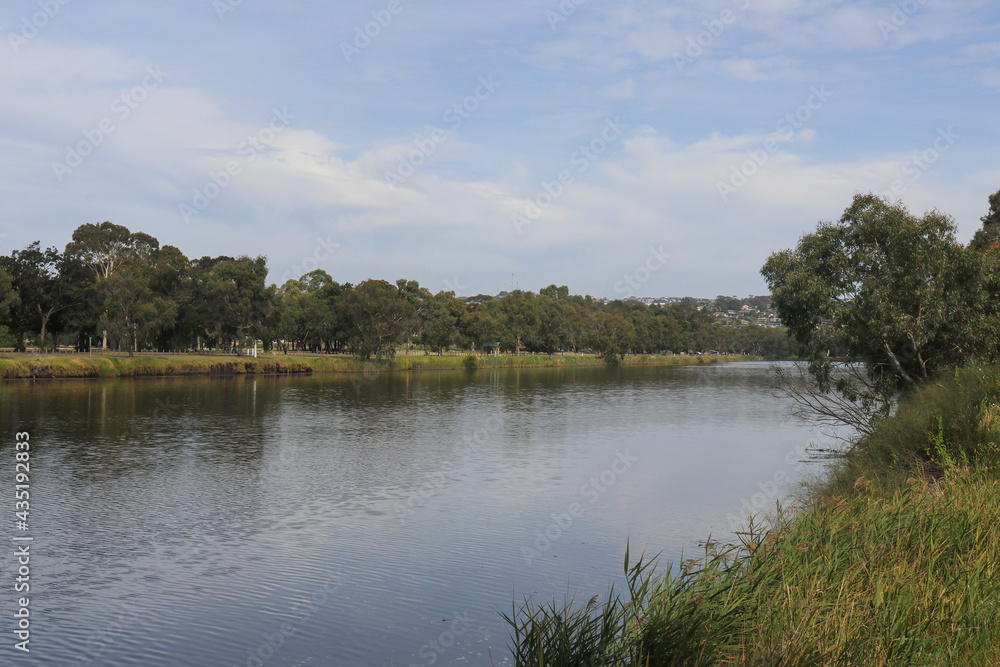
pixel 620 148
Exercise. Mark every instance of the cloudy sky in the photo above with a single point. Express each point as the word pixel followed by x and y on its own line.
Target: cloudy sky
pixel 466 145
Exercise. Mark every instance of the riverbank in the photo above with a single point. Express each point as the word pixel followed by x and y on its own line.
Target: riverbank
pixel 892 561
pixel 84 366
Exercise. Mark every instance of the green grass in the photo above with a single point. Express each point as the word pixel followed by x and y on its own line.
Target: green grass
pixel 952 422
pixel 84 366
pixel 894 562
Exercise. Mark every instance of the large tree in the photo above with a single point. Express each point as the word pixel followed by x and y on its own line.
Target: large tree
pixel 896 290
pixel 439 321
pixel 106 248
pixel 312 312
pixel 380 318
pixel 8 297
pixel 133 313
pixel 243 302
pixel 611 336
pixel 41 287
pixel 988 237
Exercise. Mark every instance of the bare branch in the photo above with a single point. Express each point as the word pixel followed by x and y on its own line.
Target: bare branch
pixel 859 404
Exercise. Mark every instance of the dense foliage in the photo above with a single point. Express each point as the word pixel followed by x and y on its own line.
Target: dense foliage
pixel 124 291
pixel 893 290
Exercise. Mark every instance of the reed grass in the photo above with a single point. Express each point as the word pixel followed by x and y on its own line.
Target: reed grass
pixel 899 567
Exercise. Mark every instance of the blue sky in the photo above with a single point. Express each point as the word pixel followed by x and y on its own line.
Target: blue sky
pixel 460 144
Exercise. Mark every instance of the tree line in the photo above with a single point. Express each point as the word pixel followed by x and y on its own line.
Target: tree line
pixel 121 290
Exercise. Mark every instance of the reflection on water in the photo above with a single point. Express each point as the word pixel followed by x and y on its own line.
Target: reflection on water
pixel 319 521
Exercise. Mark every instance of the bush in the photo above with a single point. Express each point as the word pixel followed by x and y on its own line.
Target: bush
pixel 953 421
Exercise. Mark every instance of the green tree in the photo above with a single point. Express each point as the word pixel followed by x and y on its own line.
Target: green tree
pixel 41 289
pixel 896 290
pixel 133 312
pixel 8 297
pixel 380 318
pixel 518 316
pixel 311 312
pixel 245 303
pixel 106 247
pixel 612 336
pixel 987 238
pixel 171 279
pixel 561 292
pixel 552 328
pixel 440 315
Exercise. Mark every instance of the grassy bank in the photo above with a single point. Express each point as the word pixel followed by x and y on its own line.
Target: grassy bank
pixel 893 562
pixel 83 366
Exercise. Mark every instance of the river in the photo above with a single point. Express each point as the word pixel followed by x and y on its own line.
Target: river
pixel 360 520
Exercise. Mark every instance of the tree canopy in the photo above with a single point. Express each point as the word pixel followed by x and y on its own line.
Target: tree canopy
pixel 127 292
pixel 892 289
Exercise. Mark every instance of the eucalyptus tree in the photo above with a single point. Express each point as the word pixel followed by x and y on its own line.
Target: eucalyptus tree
pixel 8 297
pixel 890 289
pixel 440 316
pixel 987 238
pixel 416 296
pixel 311 312
pixel 41 290
pixel 552 328
pixel 612 335
pixel 517 314
pixel 898 290
pixel 134 313
pixel 244 303
pixel 379 316
pixel 106 248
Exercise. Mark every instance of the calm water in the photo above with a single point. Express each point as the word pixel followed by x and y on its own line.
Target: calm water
pixel 329 521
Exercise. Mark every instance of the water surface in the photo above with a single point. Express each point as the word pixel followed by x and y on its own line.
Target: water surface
pixel 333 520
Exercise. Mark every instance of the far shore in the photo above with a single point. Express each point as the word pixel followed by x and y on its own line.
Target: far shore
pixel 72 365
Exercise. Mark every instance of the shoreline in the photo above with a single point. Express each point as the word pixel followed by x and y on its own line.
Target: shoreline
pixel 902 533
pixel 57 366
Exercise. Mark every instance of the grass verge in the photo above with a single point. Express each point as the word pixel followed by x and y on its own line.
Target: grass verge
pixel 83 366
